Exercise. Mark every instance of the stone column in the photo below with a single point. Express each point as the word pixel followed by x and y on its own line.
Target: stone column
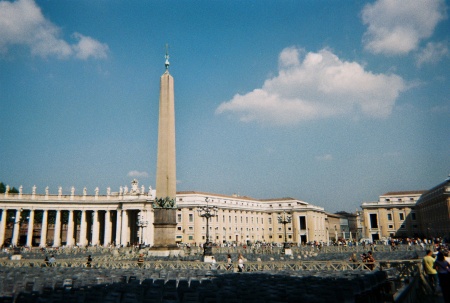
pixel 30 228
pixel 44 229
pixel 57 233
pixel 16 228
pixel 83 227
pixel 125 228
pixel 108 229
pixel 3 225
pixel 95 228
pixel 119 227
pixel 70 228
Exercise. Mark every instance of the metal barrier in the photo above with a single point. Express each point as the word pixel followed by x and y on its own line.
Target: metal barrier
pixel 404 268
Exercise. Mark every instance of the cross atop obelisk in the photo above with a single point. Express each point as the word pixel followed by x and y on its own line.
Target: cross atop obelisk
pixel 167 57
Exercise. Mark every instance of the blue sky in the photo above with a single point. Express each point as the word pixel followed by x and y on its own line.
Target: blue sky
pixel 330 102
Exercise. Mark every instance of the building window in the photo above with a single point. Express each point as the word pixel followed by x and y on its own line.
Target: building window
pixel 290 236
pixel 279 228
pixel 302 222
pixel 246 220
pixel 270 220
pixel 280 237
pixel 191 218
pixel 389 217
pixel 179 227
pixel 402 216
pixel 402 226
pixel 179 218
pixel 413 216
pixel 229 219
pixel 391 226
pixel 191 237
pixel 270 228
pixel 373 220
pixel 191 228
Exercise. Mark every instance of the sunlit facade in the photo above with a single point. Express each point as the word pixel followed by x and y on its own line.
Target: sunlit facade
pixel 244 220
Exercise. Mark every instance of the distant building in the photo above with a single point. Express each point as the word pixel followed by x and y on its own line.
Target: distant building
pixel 337 226
pixel 126 217
pixel 393 215
pixel 352 224
pixel 243 219
pixel 433 209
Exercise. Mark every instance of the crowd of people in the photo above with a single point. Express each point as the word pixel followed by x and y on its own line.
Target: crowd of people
pixel 436 267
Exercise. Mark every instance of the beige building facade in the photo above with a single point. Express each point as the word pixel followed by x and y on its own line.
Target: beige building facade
pixel 393 215
pixel 127 217
pixel 244 220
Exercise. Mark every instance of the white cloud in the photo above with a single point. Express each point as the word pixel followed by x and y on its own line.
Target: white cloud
pixel 22 23
pixel 88 47
pixel 432 53
pixel 319 86
pixel 137 174
pixel 396 27
pixel 326 157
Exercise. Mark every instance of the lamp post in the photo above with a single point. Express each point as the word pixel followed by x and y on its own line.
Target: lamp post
pixel 141 223
pixel 207 212
pixel 284 219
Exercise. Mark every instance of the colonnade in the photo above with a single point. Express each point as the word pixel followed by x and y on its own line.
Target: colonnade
pixel 79 227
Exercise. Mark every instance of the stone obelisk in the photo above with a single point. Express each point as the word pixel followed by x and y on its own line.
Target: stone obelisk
pixel 165 201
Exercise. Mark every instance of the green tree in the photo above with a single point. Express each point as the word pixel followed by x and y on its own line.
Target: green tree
pixel 11 190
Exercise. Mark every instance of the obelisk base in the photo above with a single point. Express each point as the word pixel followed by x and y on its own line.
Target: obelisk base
pixel 164 233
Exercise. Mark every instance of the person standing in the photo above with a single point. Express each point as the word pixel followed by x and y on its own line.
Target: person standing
pixel 430 271
pixel 140 260
pixel 354 260
pixel 370 260
pixel 229 262
pixel 52 260
pixel 241 263
pixel 89 261
pixel 213 263
pixel 443 270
